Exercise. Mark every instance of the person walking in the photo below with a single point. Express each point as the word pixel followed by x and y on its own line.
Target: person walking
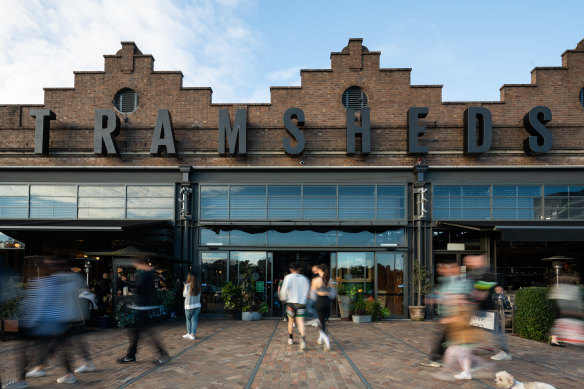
pixel 295 291
pixel 321 287
pixel 192 295
pixel 144 302
pixel 569 326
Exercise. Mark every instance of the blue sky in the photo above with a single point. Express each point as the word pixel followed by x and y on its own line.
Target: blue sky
pixel 240 48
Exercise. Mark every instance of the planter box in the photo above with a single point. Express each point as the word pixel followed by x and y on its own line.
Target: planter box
pixel 344 306
pixel 361 318
pixel 251 316
pixel 417 312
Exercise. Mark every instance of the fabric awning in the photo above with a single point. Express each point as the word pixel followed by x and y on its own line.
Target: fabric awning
pixel 527 231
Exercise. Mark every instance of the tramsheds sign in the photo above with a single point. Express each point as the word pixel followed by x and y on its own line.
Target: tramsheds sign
pixel 478 131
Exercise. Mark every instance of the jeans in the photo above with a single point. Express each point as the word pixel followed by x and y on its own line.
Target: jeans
pixel 192 320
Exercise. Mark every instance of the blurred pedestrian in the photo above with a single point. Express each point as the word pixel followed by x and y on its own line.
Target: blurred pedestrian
pixel 321 287
pixel 192 295
pixel 103 293
pixel 450 282
pixel 482 294
pixel 569 327
pixel 50 309
pixel 295 291
pixel 144 287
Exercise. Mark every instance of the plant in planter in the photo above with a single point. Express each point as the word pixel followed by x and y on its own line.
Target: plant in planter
pixel 251 301
pixel 10 306
pixel 361 310
pixel 125 316
pixel 232 299
pixel 421 283
pixel 345 297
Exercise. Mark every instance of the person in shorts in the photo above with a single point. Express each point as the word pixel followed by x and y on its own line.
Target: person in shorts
pixel 294 291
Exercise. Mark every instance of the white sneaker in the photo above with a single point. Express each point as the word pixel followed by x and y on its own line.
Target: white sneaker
pixel 67 379
pixel 502 356
pixel 302 345
pixel 327 347
pixel 15 385
pixel 319 341
pixel 290 341
pixel 34 373
pixel 85 368
pixel 191 337
pixel 430 363
pixel 186 335
pixel 465 375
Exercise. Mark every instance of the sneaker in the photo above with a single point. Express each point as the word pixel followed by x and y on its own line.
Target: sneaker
pixel 502 356
pixel 290 341
pixel 15 385
pixel 67 379
pixel 465 375
pixel 302 345
pixel 430 363
pixel 191 337
pixel 327 347
pixel 162 359
pixel 319 341
pixel 186 335
pixel 34 373
pixel 85 368
pixel 127 359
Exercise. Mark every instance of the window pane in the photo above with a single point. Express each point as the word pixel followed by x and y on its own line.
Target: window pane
pixel 320 191
pixel 101 191
pixel 14 190
pixel 471 190
pixel 391 236
pixel 248 191
pixel 215 238
pixel 555 190
pixel 362 238
pixel 390 191
pixel 53 190
pixel 14 212
pixel 529 190
pixel 576 191
pixel 390 214
pixel 242 238
pixel 284 190
pixel 102 213
pixel 146 213
pixel 356 213
pixel 447 190
pixel 151 191
pixel 302 238
pixel 504 191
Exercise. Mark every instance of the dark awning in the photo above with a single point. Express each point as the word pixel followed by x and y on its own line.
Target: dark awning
pixel 528 231
pixel 77 225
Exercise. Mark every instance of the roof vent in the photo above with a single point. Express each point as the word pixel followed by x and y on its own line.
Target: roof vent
pixel 126 101
pixel 355 98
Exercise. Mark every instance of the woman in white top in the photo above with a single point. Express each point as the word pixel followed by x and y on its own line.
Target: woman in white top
pixel 192 295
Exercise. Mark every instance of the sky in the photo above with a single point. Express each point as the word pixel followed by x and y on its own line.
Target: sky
pixel 240 48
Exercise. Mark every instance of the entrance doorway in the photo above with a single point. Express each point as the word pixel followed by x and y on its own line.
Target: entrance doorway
pixel 282 261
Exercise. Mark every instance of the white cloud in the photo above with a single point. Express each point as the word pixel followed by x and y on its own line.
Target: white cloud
pixel 45 41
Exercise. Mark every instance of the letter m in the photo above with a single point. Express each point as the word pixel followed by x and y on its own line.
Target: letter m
pixel 236 136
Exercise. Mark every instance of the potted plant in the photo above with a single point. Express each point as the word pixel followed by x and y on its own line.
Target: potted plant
pixel 232 299
pixel 361 313
pixel 345 296
pixel 421 283
pixel 9 307
pixel 252 305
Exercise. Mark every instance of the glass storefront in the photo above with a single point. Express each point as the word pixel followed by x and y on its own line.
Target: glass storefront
pixel 380 275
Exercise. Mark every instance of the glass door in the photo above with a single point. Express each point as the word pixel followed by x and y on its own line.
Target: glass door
pixel 356 269
pixel 256 267
pixel 389 277
pixel 213 277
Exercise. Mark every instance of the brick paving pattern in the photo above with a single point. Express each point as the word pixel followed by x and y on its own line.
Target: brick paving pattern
pixel 226 354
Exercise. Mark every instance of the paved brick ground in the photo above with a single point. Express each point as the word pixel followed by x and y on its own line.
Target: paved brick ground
pixel 236 354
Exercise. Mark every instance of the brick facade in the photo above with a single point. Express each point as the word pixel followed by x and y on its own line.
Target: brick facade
pixel 390 95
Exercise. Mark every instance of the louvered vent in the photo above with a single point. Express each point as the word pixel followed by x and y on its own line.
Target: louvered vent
pixel 582 97
pixel 355 98
pixel 126 101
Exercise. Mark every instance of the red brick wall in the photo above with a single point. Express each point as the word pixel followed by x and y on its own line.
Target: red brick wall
pixel 390 95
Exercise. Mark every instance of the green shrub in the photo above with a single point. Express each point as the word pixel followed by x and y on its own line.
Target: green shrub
pixel 534 313
pixel 9 308
pixel 360 306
